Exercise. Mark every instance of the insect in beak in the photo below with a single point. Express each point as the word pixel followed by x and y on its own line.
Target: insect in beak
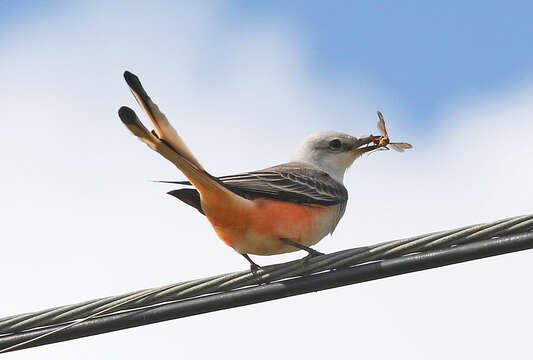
pixel 381 142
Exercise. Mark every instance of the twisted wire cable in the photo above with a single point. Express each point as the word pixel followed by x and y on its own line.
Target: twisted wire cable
pixel 99 323
pixel 267 274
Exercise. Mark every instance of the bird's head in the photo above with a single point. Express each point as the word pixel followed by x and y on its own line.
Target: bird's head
pixel 332 152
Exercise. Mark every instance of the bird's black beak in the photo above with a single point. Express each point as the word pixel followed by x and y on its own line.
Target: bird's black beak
pixel 361 145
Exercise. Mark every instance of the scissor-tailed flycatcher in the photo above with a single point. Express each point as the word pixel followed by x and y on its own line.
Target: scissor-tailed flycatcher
pixel 280 209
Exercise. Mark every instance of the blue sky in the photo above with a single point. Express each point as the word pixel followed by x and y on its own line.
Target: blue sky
pixel 423 54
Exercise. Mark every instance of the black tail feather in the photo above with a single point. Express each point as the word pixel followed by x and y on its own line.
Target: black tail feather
pixel 184 182
pixel 189 196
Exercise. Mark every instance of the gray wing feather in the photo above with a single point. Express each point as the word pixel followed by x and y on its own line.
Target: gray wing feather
pixel 340 213
pixel 293 182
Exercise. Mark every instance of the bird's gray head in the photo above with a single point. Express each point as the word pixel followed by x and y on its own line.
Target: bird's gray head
pixel 331 151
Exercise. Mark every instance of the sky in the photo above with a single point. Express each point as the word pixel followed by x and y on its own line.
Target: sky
pixel 243 83
pixel 422 53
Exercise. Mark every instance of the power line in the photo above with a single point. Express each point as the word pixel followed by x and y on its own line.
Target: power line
pixel 226 291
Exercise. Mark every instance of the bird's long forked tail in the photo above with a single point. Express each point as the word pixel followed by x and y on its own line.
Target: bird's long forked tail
pixel 162 127
pixel 164 138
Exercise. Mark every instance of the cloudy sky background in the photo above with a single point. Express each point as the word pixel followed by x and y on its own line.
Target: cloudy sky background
pixel 243 84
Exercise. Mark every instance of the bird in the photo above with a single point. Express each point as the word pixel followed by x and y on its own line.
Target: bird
pixel 280 209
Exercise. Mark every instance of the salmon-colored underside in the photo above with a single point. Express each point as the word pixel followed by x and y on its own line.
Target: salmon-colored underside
pixel 256 226
pixel 267 218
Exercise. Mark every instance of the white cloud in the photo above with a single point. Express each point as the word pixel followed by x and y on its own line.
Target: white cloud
pixel 80 220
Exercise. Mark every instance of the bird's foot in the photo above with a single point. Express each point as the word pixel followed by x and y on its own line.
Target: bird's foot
pixel 254 268
pixel 311 255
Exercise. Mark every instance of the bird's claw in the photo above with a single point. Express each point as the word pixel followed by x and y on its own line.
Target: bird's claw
pixel 254 268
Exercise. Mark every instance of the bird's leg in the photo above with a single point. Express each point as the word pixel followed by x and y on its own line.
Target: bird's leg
pixel 253 266
pixel 310 251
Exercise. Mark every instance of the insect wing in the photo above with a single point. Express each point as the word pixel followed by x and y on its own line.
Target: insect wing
pixel 400 146
pixel 381 124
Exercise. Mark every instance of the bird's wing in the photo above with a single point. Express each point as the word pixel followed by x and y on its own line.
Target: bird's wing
pixel 288 182
pixel 292 182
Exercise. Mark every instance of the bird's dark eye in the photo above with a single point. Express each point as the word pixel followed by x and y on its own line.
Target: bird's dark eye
pixel 335 144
